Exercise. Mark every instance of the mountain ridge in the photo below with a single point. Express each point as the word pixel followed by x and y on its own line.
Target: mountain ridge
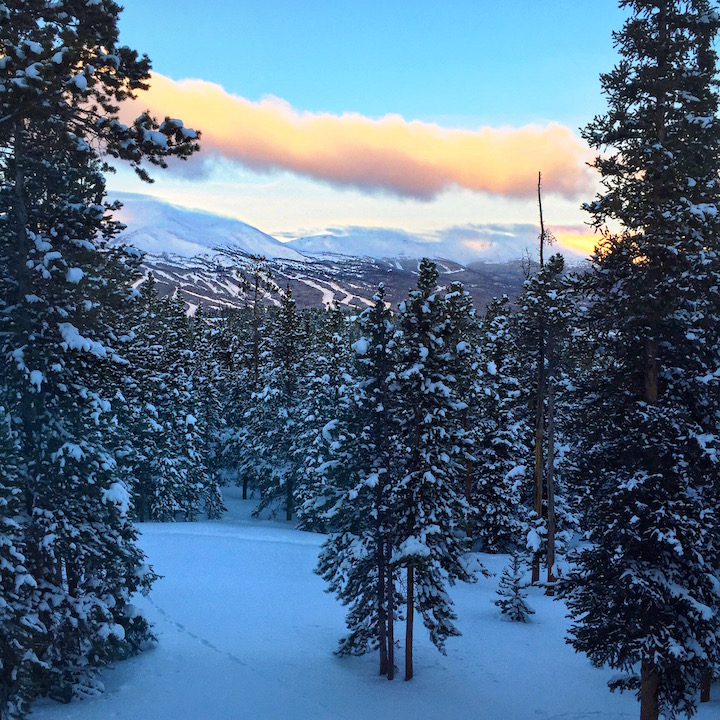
pixel 202 256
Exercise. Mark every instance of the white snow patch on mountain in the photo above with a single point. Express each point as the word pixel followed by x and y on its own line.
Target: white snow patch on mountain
pixel 158 228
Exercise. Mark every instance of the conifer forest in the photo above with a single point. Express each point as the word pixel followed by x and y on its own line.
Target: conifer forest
pixel 574 428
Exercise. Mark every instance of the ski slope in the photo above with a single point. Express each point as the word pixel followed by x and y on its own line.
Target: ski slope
pixel 246 631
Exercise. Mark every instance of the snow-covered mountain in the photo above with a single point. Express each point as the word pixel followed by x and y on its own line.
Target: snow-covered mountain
pixel 202 256
pixel 376 243
pixel 159 228
pixel 487 243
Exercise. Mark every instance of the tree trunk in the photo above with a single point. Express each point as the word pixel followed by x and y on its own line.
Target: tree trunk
pixel 652 370
pixel 382 619
pixel 550 487
pixel 705 683
pixel 539 418
pixel 539 423
pixel 245 487
pixel 288 499
pixel 649 684
pixel 409 622
pixel 21 213
pixel 468 478
pixel 391 615
pixel 256 333
pixel 542 222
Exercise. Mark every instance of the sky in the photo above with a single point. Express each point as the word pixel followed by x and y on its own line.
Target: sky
pixel 408 115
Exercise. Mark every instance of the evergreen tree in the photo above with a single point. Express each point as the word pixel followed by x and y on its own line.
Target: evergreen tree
pixel 249 356
pixel 17 631
pixel 275 412
pixel 542 324
pixel 170 466
pixel 462 364
pixel 207 383
pixel 356 496
pixel 430 513
pixel 512 591
pixel 257 283
pixel 502 434
pixel 237 460
pixel 62 299
pixel 644 595
pixel 325 389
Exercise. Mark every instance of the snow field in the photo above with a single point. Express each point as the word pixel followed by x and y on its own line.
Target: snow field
pixel 246 632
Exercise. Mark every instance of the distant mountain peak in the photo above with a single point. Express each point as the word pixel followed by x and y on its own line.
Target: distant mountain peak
pixel 159 228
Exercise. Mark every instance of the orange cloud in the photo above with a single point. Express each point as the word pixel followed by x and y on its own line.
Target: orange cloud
pixel 406 158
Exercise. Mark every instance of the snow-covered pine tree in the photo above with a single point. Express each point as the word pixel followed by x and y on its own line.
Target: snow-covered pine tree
pixel 158 468
pixel 199 490
pixel 326 388
pixel 274 415
pixel 17 609
pixel 430 514
pixel 207 384
pixel 502 434
pixel 148 446
pixel 63 294
pixel 233 338
pixel 257 283
pixel 171 478
pixel 542 321
pixel 511 590
pixel 245 336
pixel 644 595
pixel 356 499
pixel 462 363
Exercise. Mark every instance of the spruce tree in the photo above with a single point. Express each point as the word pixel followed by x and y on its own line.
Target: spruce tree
pixel 644 595
pixel 542 322
pixel 430 510
pixel 238 461
pixel 207 384
pixel 355 499
pixel 463 363
pixel 326 390
pixel 502 434
pixel 63 294
pixel 17 630
pixel 511 590
pixel 170 477
pixel 275 412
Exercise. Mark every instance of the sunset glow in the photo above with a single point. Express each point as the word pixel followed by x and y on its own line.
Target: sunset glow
pixel 377 117
pixel 390 154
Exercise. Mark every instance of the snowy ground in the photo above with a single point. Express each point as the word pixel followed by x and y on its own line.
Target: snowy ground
pixel 246 631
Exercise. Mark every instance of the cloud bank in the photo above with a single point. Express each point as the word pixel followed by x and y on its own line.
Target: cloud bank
pixel 405 158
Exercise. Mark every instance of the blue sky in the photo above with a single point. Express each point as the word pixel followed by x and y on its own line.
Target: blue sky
pixel 470 66
pixel 469 63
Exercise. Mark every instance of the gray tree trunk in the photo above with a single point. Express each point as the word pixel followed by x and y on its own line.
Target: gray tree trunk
pixel 551 487
pixel 409 622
